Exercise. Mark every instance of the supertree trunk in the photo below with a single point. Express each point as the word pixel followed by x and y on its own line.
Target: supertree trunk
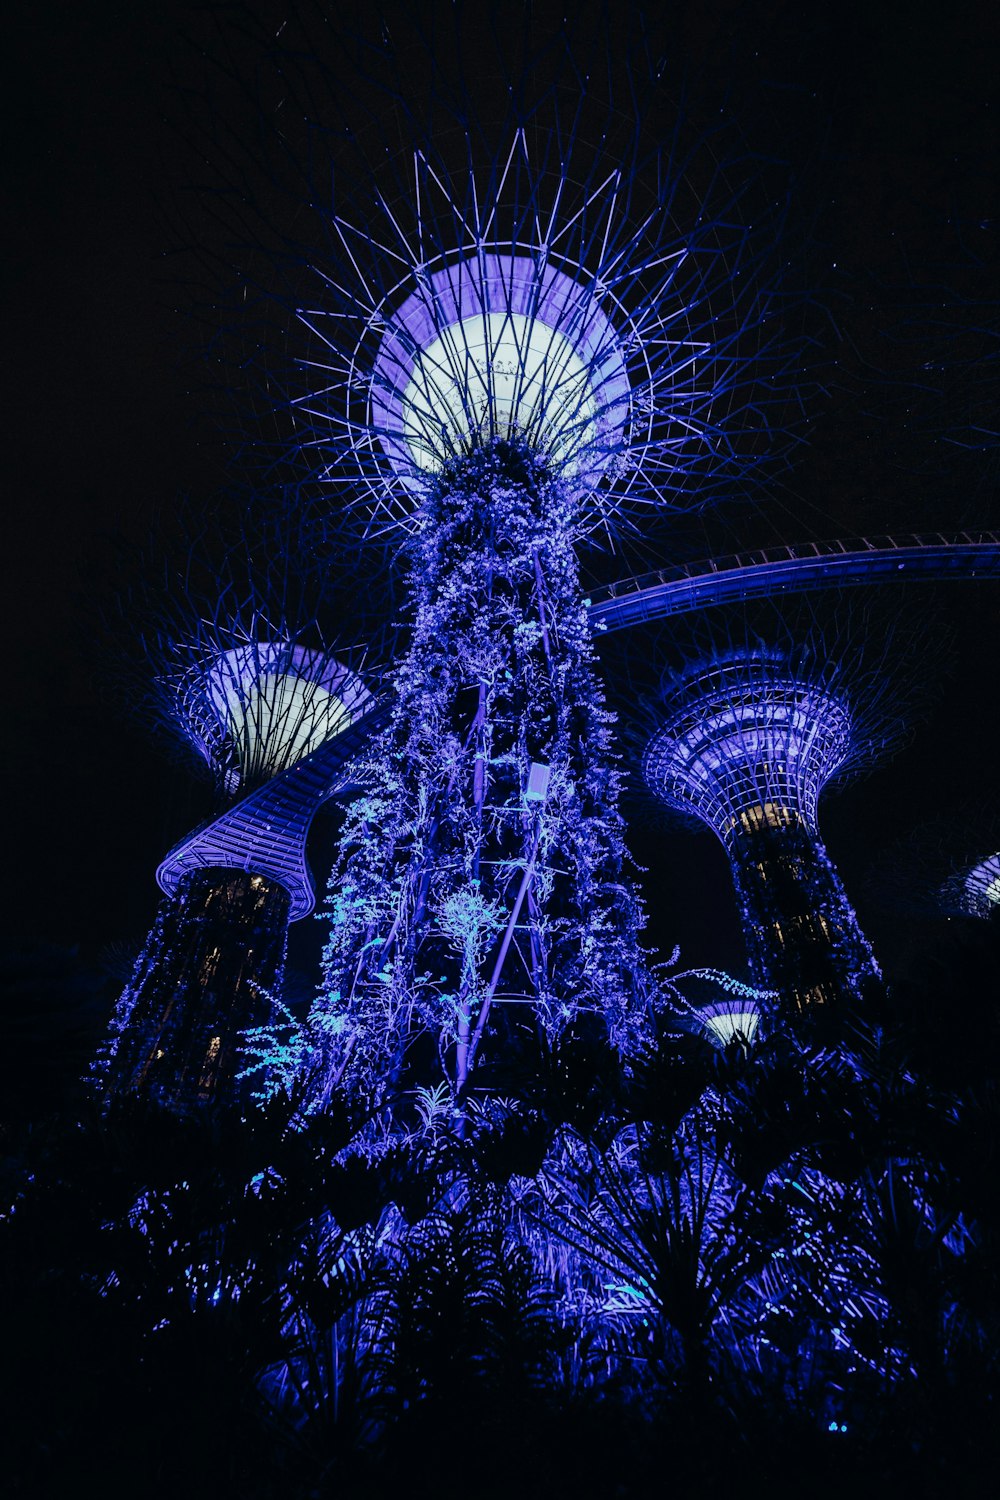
pixel 213 959
pixel 484 867
pixel 803 938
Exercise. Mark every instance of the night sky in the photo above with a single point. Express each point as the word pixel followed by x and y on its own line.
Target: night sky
pixel 889 116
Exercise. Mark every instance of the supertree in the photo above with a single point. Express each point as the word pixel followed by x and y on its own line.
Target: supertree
pixel 977 889
pixel 724 1009
pixel 948 867
pixel 543 309
pixel 221 650
pixel 745 735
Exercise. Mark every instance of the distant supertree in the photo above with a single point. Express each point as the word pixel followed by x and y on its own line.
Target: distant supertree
pixel 744 737
pixel 722 1007
pixel 222 650
pixel 977 888
pixel 526 308
pixel 949 867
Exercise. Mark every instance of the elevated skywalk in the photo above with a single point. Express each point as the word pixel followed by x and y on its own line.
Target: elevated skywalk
pixel 794 569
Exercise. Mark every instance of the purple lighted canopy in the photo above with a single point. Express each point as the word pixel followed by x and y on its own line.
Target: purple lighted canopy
pixel 981 887
pixel 745 743
pixel 261 706
pixel 499 346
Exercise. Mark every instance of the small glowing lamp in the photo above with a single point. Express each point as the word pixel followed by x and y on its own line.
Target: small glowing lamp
pixel 538 782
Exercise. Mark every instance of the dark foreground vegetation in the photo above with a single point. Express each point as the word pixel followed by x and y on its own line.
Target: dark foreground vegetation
pixel 770 1269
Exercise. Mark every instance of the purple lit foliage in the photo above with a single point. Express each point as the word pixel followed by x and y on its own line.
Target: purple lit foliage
pixel 483 868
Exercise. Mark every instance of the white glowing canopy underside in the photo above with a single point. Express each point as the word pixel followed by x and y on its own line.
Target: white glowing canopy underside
pixel 499 346
pixel 983 882
pixel 264 705
pixel 279 719
pixel 498 375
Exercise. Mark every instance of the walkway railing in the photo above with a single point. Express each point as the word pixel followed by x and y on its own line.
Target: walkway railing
pixel 808 565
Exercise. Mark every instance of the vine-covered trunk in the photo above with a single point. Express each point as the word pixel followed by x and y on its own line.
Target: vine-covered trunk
pixel 803 937
pixel 483 867
pixel 206 974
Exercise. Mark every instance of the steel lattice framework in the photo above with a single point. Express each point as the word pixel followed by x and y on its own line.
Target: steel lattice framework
pixel 532 297
pixel 539 264
pixel 224 652
pixel 750 739
pixel 744 740
pixel 256 708
pixel 228 659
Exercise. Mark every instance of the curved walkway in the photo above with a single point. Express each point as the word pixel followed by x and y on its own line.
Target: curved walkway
pixel 813 565
pixel 266 831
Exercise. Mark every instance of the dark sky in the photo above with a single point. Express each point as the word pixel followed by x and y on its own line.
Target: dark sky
pixel 889 112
